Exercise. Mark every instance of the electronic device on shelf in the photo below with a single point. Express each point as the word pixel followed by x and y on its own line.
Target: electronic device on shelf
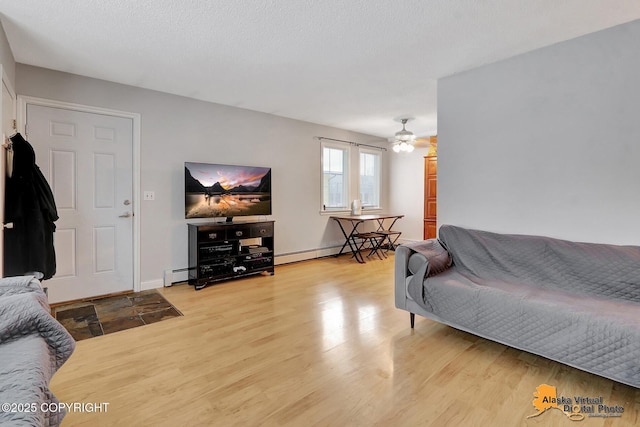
pixel 227 250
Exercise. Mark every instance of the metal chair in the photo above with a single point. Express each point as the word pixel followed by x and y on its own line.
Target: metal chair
pixel 374 240
pixel 391 237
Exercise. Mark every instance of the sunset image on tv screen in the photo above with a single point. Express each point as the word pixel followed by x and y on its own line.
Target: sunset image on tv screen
pixel 213 190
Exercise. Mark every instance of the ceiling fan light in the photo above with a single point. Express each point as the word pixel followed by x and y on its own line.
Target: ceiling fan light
pixel 403 141
pixel 405 135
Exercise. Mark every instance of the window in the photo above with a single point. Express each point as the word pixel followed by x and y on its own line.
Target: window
pixel 369 178
pixel 350 172
pixel 335 177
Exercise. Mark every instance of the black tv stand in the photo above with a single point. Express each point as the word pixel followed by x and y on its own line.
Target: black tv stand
pixel 226 250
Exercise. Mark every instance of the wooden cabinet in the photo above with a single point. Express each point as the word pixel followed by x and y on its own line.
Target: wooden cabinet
pixel 430 196
pixel 220 251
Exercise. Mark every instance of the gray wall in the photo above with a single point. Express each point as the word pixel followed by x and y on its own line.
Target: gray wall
pixel 176 129
pixel 547 142
pixel 6 57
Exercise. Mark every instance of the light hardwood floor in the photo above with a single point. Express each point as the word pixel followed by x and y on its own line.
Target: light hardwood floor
pixel 319 343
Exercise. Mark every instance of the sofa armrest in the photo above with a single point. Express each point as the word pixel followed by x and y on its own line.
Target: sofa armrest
pixel 426 258
pixel 401 273
pixel 407 262
pixel 19 284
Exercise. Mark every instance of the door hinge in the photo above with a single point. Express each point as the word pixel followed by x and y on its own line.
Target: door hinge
pixel 15 124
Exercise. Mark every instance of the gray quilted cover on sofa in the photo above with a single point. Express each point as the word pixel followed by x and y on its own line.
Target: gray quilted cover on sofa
pixel 33 346
pixel 577 303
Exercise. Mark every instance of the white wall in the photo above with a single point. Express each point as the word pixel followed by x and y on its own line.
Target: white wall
pixel 407 192
pixel 8 67
pixel 176 129
pixel 547 142
pixel 6 57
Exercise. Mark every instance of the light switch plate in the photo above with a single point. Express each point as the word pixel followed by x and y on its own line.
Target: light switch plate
pixel 149 195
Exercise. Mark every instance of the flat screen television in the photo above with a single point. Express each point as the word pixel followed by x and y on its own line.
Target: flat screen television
pixel 219 191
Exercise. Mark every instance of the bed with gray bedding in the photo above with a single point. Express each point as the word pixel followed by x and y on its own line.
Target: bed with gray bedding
pixel 33 346
pixel 576 303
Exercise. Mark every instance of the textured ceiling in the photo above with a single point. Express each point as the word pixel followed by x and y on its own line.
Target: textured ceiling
pixel 352 64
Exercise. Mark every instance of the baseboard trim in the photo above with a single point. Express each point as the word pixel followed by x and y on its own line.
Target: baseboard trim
pixel 305 255
pixel 178 276
pixel 151 284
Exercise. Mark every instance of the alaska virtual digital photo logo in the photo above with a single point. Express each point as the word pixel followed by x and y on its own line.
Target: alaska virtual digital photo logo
pixel 575 408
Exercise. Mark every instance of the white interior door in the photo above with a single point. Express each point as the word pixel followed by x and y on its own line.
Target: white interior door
pixel 88 160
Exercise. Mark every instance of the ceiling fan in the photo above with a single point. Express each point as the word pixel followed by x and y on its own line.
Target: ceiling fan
pixel 404 139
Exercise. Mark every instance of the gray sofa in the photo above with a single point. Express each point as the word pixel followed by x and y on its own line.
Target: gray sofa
pixel 576 303
pixel 33 346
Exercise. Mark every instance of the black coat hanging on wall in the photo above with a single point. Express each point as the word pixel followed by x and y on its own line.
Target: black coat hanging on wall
pixel 30 206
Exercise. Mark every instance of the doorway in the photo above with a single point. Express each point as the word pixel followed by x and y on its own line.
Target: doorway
pixel 8 107
pixel 88 156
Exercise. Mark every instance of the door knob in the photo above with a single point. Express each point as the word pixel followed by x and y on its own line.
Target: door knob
pixel 125 215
